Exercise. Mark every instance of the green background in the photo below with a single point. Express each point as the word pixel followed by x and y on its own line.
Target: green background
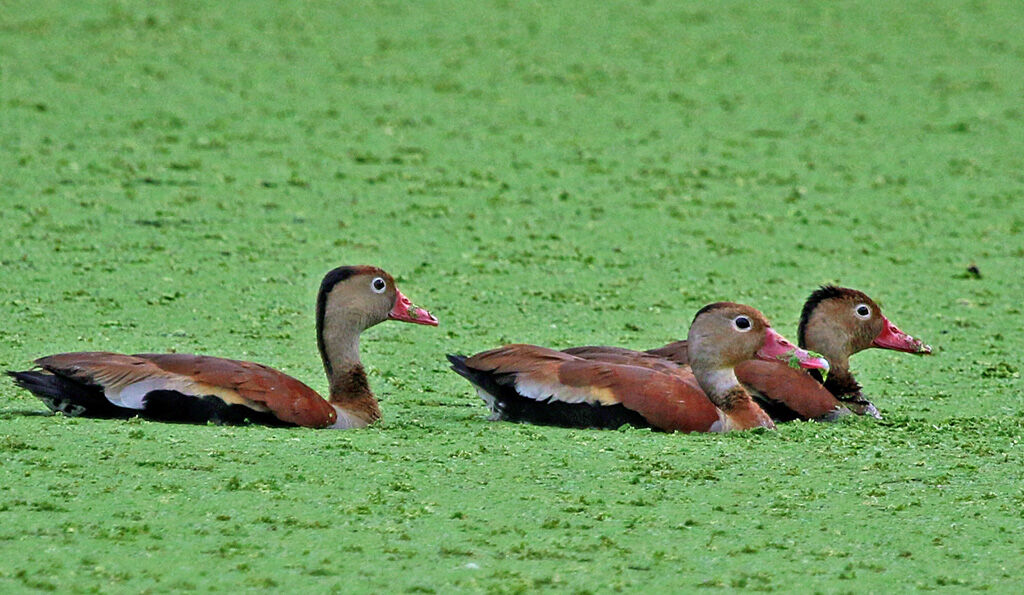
pixel 179 175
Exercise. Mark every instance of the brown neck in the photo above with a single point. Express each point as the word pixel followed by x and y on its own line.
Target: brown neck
pixel 734 398
pixel 350 390
pixel 840 382
pixel 742 412
pixel 848 391
pixel 725 391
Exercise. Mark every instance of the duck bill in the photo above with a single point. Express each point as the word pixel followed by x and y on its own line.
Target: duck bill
pixel 406 311
pixel 777 348
pixel 897 340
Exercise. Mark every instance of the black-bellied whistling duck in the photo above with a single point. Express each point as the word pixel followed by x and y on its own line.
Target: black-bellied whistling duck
pixel 197 388
pixel 836 322
pixel 526 383
pixel 839 322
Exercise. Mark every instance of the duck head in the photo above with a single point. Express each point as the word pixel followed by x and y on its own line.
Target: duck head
pixel 839 322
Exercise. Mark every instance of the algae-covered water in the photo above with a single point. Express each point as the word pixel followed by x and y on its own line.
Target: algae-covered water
pixel 177 176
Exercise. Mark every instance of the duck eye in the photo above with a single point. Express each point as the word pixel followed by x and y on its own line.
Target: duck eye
pixel 742 323
pixel 863 310
pixel 378 284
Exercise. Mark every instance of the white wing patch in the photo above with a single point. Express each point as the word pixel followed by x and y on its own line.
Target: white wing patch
pixel 540 391
pixel 133 395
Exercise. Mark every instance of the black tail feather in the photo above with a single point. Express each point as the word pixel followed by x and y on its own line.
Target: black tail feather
pixel 494 384
pixel 68 396
pixel 509 405
pixel 78 399
pixel 458 362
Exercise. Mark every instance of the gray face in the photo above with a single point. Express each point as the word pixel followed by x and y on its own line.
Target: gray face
pixel 365 299
pixel 351 300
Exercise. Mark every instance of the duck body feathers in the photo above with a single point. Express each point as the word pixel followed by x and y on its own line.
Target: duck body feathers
pixel 785 393
pixel 173 387
pixel 532 384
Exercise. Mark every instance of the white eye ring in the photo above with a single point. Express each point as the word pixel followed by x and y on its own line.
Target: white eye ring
pixel 742 324
pixel 378 285
pixel 863 311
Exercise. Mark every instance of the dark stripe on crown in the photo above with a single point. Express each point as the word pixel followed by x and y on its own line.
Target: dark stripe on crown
pixel 711 307
pixel 330 280
pixel 825 292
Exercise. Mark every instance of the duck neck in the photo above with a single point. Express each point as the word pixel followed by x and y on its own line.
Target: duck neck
pixel 840 381
pixel 723 388
pixel 725 391
pixel 349 389
pixel 847 390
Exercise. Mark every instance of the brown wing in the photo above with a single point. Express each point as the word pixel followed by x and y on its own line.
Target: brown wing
pixel 626 357
pixel 289 399
pixel 114 371
pixel 795 389
pixel 599 351
pixel 126 379
pixel 675 352
pixel 666 401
